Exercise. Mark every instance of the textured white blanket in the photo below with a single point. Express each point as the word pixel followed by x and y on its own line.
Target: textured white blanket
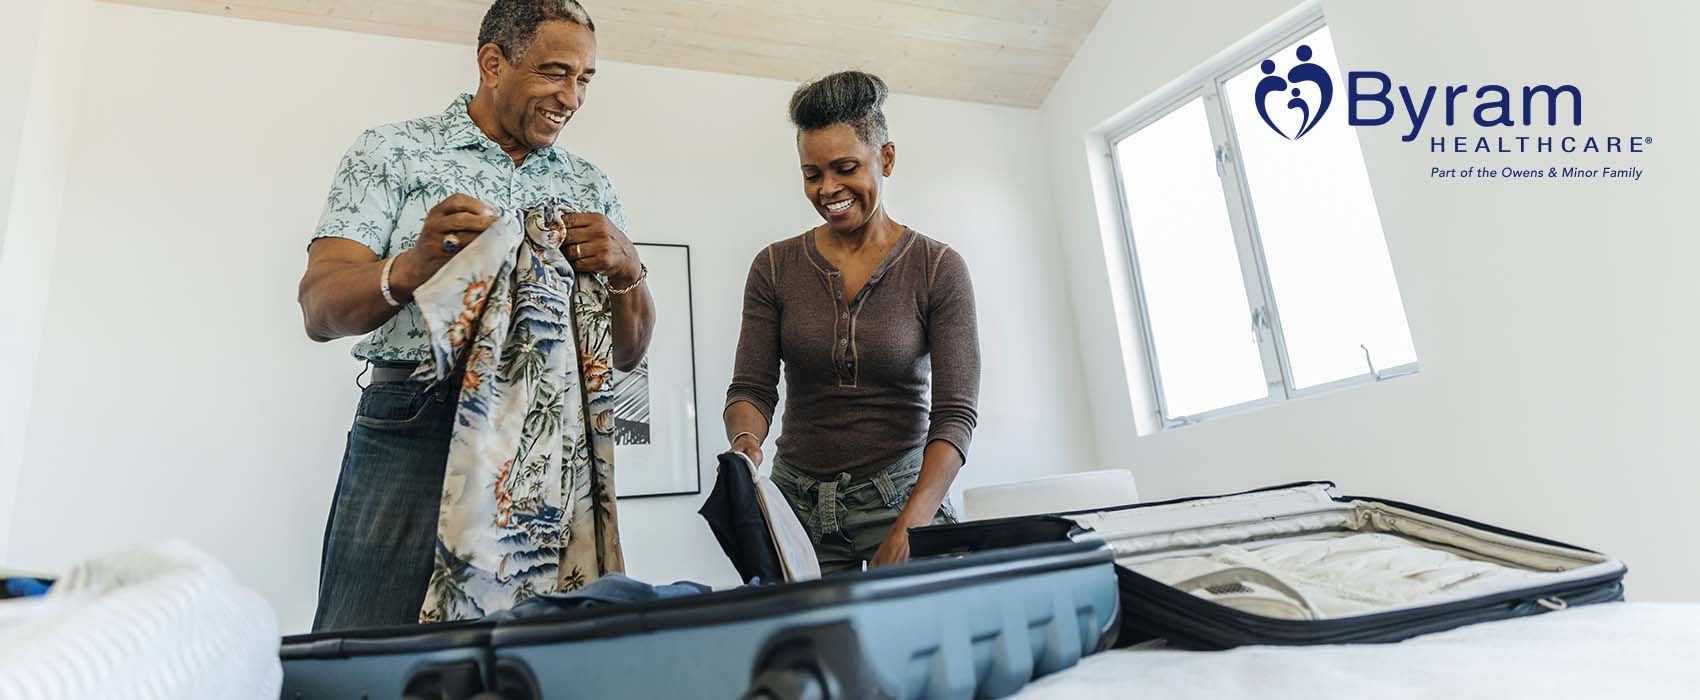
pixel 166 622
pixel 1617 650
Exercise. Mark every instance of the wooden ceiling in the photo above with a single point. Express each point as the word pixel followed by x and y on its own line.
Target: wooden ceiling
pixel 1006 52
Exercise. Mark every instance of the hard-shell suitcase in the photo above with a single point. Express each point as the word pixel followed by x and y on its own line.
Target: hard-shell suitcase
pixel 1300 564
pixel 957 627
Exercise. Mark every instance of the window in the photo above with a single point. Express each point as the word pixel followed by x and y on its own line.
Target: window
pixel 1258 254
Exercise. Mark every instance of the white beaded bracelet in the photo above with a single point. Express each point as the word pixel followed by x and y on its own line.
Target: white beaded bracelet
pixel 384 283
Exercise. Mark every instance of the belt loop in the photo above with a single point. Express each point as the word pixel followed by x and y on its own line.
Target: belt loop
pixel 886 487
pixel 826 503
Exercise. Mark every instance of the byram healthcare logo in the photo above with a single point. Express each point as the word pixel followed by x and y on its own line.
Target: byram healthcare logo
pixel 1531 119
pixel 1304 72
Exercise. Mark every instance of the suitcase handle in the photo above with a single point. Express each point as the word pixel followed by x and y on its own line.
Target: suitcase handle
pixel 455 680
pixel 812 662
pixel 464 680
pixel 788 684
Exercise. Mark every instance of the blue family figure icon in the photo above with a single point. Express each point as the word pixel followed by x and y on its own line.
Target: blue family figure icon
pixel 1305 72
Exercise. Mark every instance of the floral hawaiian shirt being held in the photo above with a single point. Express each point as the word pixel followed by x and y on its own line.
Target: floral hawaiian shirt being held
pixel 392 176
pixel 528 494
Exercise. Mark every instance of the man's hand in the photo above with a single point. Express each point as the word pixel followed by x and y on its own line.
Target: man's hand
pixel 461 216
pixel 595 244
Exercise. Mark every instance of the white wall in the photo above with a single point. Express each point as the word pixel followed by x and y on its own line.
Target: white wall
pixel 178 395
pixel 1553 319
pixel 20 27
pixel 41 67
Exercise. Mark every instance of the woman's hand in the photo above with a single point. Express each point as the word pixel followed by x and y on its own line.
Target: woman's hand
pixel 939 466
pixel 749 446
pixel 895 548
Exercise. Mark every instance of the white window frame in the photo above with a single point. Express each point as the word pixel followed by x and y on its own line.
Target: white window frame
pixel 1207 81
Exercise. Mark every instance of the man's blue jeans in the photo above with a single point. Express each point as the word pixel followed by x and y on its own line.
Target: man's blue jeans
pixel 382 527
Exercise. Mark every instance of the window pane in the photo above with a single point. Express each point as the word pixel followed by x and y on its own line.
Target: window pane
pixel 1322 239
pixel 1207 356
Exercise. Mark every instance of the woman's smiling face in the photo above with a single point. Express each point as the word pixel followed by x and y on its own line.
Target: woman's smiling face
pixel 842 175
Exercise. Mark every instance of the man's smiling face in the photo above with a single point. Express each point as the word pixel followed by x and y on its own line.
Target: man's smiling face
pixel 537 94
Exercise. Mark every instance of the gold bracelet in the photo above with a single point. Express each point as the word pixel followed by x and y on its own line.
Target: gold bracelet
pixel 643 273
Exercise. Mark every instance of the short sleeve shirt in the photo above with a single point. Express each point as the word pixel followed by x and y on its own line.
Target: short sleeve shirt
pixel 394 174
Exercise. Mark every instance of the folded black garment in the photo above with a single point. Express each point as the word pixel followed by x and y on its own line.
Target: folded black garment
pixel 735 515
pixel 611 589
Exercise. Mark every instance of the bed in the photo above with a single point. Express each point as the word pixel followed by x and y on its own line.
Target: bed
pixel 1617 650
pixel 165 622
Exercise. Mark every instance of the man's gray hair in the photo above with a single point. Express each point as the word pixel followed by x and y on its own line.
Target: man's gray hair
pixel 512 24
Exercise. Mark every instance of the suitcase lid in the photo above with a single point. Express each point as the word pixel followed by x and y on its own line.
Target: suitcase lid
pixel 1205 511
pixel 1142 521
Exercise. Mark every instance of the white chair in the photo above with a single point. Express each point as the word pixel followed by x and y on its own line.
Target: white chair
pixel 1052 494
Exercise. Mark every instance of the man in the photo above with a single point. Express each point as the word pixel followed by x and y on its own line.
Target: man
pixel 406 198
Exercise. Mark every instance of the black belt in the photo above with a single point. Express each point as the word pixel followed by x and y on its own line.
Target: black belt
pixel 392 372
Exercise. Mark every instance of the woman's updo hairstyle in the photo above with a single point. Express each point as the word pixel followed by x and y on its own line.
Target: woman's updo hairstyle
pixel 851 97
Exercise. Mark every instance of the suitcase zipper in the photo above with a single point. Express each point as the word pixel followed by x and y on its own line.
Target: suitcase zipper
pixel 1189 499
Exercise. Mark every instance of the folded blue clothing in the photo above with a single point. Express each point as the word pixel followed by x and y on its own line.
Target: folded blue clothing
pixel 611 589
pixel 23 587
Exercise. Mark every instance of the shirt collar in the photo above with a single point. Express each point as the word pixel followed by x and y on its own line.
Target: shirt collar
pixel 460 132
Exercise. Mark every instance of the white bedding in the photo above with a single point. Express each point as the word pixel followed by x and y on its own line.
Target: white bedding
pixel 1617 650
pixel 167 622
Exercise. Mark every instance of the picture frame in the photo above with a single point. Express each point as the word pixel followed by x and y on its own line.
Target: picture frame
pixel 655 411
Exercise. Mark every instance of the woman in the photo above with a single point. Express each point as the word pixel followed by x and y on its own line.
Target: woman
pixel 860 309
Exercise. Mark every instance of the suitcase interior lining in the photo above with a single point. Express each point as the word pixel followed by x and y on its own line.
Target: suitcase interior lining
pixel 1144 543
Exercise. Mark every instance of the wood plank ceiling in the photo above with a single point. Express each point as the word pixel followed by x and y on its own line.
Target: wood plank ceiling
pixel 1006 52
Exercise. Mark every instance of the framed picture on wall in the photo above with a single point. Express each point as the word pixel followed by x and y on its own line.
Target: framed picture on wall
pixel 655 405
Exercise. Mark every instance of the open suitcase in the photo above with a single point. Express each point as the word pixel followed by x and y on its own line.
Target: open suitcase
pixel 1299 564
pixel 975 626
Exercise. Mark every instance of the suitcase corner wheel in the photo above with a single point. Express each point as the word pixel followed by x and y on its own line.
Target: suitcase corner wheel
pixel 511 679
pixel 817 662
